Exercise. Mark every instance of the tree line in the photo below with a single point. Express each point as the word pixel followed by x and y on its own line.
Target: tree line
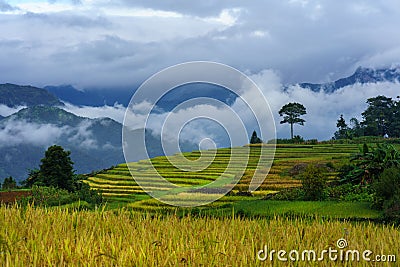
pixel 381 118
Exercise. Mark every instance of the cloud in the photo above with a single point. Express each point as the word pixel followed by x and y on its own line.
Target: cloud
pixel 83 136
pixel 116 112
pixel 108 44
pixel 20 132
pixel 7 111
pixel 14 133
pixel 207 8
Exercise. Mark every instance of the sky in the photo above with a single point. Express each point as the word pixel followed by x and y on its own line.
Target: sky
pixel 94 44
pixel 100 43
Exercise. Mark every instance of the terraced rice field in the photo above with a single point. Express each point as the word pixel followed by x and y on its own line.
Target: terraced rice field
pixel 118 186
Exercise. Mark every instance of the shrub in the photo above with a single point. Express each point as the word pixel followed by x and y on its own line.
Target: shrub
pixel 313 182
pixel 350 192
pixel 86 194
pixel 387 192
pixel 49 196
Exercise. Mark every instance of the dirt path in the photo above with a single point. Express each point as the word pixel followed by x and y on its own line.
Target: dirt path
pixel 12 196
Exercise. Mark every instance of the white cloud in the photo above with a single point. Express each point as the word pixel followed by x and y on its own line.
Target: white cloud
pixel 83 136
pixel 116 112
pixel 21 132
pixel 7 111
pixel 259 34
pixel 227 17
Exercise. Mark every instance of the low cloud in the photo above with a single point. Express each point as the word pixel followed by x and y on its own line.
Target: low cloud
pixel 20 132
pixel 115 112
pixel 13 133
pixel 7 111
pixel 82 135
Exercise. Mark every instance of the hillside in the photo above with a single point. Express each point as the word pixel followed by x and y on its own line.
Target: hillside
pixel 13 95
pixel 94 143
pixel 120 188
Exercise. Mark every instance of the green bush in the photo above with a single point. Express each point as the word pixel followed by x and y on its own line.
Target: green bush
pixel 350 192
pixel 387 192
pixel 313 182
pixel 51 196
pixel 288 194
pixel 84 193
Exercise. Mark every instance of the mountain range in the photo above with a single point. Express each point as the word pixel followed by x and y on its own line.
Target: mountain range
pixel 360 76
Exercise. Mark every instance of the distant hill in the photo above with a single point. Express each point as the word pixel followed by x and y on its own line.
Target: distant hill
pixel 14 95
pixel 361 76
pixel 93 97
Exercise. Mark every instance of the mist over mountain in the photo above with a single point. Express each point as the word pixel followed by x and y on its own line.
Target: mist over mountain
pixel 24 136
pixel 94 143
pixel 360 76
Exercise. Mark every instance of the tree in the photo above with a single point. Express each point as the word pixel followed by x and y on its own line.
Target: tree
pixel 9 183
pixel 378 116
pixel 355 128
pixel 33 179
pixel 56 169
pixel 343 129
pixel 395 123
pixel 291 113
pixel 254 138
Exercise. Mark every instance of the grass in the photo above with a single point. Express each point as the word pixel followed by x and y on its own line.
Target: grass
pixel 64 237
pixel 348 210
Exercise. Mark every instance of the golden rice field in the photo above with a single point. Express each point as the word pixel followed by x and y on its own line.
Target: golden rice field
pixel 59 237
